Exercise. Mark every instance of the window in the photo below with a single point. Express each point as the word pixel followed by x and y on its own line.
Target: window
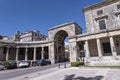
pixel 102 24
pixel 118 6
pixel 106 47
pixel 99 12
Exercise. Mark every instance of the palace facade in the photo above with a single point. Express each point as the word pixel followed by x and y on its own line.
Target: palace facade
pixel 100 45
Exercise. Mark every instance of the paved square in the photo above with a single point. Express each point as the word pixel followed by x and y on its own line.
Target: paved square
pixel 81 74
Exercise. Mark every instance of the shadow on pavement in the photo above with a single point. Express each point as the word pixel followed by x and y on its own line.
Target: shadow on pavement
pixel 72 77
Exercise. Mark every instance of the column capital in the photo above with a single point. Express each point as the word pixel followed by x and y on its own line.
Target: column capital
pixel 26 47
pixel 86 40
pixel 98 38
pixel 111 36
pixel 17 47
pixel 35 47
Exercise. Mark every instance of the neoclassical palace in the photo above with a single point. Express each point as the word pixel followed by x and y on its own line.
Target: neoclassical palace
pixel 100 45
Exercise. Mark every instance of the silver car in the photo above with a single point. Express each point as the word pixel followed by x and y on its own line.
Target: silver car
pixel 2 67
pixel 23 64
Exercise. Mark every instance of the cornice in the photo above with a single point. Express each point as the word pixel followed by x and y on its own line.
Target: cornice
pixel 100 32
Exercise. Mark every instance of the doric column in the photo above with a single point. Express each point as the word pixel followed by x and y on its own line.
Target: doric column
pixel 113 48
pixel 34 55
pixel 87 49
pixel 26 55
pixel 99 48
pixel 42 52
pixel 7 53
pixel 17 53
pixel 51 53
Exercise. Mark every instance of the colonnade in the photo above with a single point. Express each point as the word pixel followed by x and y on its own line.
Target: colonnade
pixel 99 47
pixel 26 53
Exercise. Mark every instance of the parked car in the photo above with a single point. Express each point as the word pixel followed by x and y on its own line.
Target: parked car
pixel 23 64
pixel 48 61
pixel 2 67
pixel 11 65
pixel 43 62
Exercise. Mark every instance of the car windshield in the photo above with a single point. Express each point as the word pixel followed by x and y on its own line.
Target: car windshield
pixel 23 61
pixel 11 62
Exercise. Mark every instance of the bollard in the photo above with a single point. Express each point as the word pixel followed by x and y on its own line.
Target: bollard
pixel 58 65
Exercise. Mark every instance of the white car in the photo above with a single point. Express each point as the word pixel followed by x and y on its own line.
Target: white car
pixel 23 64
pixel 2 67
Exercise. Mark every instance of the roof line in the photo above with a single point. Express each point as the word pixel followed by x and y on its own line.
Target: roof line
pixel 64 24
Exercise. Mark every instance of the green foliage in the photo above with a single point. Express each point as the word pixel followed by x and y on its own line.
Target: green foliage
pixel 6 62
pixel 76 64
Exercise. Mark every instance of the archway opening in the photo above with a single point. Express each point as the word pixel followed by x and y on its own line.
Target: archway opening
pixel 60 50
pixel 67 51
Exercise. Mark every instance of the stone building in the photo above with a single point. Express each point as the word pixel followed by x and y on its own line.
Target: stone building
pixel 103 33
pixel 100 45
pixel 29 36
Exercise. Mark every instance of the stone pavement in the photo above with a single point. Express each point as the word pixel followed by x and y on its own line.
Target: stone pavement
pixel 75 73
pixel 40 73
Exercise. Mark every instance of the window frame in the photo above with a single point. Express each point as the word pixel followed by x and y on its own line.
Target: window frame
pixel 104 23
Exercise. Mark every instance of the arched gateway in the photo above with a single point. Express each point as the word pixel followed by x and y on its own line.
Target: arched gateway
pixel 57 36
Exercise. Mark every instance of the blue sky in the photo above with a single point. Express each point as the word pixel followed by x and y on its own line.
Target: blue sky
pixel 40 15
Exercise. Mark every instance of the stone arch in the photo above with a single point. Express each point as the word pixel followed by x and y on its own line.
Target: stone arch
pixel 60 45
pixel 62 31
pixel 60 35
